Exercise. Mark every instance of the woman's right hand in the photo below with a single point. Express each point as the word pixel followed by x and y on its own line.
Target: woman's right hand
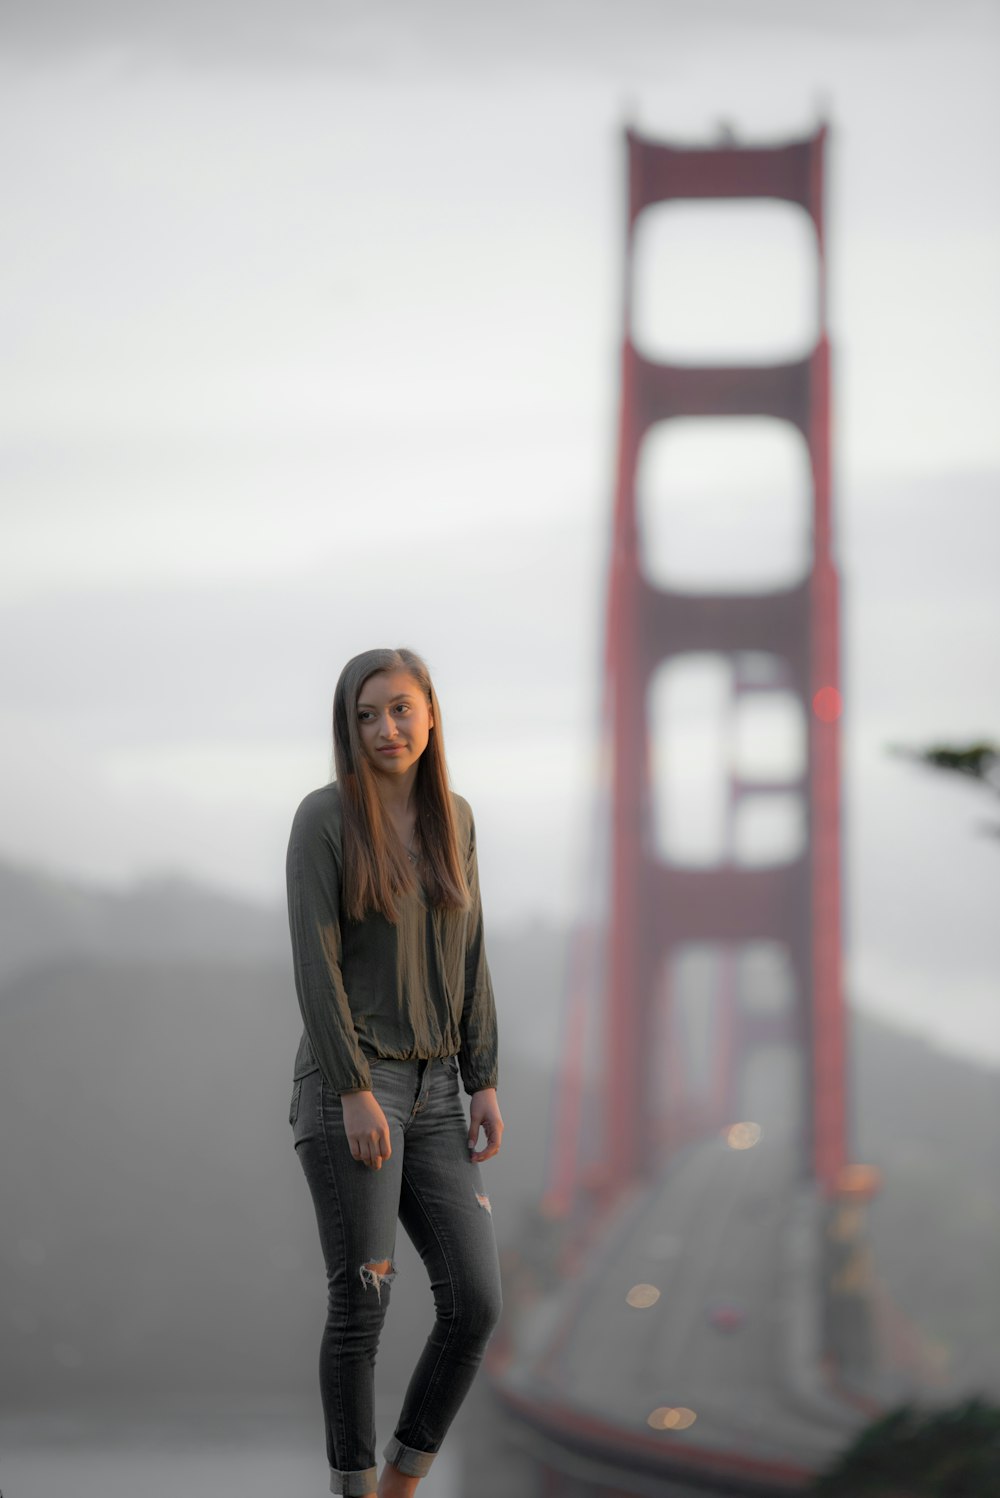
pixel 366 1128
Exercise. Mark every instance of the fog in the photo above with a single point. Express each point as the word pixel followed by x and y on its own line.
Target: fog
pixel 311 335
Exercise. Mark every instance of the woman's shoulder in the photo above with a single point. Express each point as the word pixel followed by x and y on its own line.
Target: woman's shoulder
pixel 463 815
pixel 320 808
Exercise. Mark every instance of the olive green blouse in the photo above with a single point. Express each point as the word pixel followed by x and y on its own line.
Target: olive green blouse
pixel 367 988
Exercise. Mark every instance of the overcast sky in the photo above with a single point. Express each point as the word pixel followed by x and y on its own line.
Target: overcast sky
pixel 311 315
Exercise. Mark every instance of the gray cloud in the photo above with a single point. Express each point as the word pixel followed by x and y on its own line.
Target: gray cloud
pixel 318 33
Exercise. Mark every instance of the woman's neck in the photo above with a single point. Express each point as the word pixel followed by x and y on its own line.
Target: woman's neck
pixel 397 796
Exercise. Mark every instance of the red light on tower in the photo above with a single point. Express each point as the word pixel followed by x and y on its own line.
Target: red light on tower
pixel 828 704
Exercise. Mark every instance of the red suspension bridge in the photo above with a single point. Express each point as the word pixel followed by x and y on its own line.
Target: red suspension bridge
pixel 700 1315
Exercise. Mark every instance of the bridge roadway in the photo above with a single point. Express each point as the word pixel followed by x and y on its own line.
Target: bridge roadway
pixel 728 1231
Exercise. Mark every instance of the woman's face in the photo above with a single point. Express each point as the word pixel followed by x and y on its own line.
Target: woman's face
pixel 394 721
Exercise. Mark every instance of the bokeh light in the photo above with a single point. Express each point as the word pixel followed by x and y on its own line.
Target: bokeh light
pixel 642 1296
pixel 670 1417
pixel 743 1136
pixel 828 704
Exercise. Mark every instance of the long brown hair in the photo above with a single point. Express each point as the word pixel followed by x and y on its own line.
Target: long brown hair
pixel 376 868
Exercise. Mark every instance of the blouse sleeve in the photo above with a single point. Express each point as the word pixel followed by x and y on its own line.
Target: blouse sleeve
pixel 313 879
pixel 478 1055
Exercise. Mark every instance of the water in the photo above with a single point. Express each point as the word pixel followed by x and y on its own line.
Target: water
pixel 252 1448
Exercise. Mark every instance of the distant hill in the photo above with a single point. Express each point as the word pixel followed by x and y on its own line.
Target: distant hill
pixel 931 1121
pixel 43 917
pixel 157 1232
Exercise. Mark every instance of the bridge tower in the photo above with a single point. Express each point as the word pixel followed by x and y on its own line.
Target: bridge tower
pixel 657 907
pixel 750 1272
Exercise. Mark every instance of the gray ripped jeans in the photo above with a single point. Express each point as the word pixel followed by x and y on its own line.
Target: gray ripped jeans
pixel 430 1185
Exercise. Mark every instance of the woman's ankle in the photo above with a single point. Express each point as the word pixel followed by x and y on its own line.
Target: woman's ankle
pixel 396 1484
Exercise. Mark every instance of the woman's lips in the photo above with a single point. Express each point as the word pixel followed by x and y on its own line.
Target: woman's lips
pixel 392 749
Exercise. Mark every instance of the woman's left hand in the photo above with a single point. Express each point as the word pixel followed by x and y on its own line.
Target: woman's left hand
pixel 484 1112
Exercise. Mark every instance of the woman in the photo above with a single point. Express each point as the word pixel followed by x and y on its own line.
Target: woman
pixel 397 1004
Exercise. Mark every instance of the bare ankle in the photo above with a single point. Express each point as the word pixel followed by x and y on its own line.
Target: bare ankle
pixel 396 1484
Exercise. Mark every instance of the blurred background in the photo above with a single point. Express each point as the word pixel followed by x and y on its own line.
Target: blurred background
pixel 312 317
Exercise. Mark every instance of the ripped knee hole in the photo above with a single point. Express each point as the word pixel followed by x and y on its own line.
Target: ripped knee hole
pixel 376 1272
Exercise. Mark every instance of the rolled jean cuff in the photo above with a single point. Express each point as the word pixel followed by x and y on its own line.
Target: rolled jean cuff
pixel 354 1484
pixel 414 1463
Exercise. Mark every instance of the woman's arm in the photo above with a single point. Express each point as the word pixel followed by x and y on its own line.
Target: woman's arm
pixel 478 1055
pixel 313 880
